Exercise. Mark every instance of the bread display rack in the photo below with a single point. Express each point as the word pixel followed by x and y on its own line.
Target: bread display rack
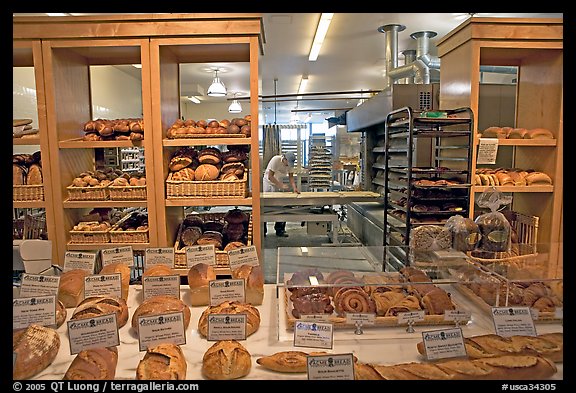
pixel 421 195
pixel 319 164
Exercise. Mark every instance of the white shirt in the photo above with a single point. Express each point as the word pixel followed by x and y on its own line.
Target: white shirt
pixel 280 170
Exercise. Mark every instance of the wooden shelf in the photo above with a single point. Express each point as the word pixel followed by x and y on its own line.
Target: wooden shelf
pixel 99 246
pixel 205 141
pixel 523 142
pixel 67 204
pixel 515 188
pixel 29 205
pixel 26 141
pixel 78 143
pixel 209 202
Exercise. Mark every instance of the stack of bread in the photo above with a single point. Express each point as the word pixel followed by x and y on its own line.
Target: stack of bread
pixel 115 129
pixel 510 177
pixel 27 169
pixel 208 164
pixel 22 128
pixel 516 133
pixel 200 128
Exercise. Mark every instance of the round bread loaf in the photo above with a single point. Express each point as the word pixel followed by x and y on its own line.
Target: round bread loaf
pixel 207 172
pixel 164 361
pixel 96 306
pixel 236 168
pixel 236 216
pixel 159 270
pixel 93 364
pixel 124 271
pixel 159 305
pixel 36 348
pixel 193 220
pixel 190 236
pixel 214 226
pixel 226 359
pixel 234 245
pixel 210 155
pixel 233 155
pixel 211 237
pixel 233 232
pixel 252 316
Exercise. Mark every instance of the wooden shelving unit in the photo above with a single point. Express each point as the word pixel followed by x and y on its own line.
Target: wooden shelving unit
pixel 535 46
pixel 62 49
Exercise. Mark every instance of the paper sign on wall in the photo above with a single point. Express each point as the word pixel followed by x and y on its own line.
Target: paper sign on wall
pixel 79 260
pixel 118 255
pixel 487 151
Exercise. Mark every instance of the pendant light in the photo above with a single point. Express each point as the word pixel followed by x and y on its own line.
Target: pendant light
pixel 217 88
pixel 235 106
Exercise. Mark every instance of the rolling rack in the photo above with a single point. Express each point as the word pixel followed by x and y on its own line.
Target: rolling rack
pixel 424 195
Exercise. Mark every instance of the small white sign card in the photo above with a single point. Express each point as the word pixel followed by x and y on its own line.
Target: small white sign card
pixel 243 256
pixel 444 343
pixel 226 327
pixel 512 321
pixel 40 310
pixel 161 328
pixel 201 254
pixel 159 256
pixel 315 317
pixel 103 285
pixel 79 260
pixel 330 367
pixel 227 290
pixel 458 315
pixel 313 334
pixel 364 319
pixel 118 255
pixel 161 285
pixel 37 284
pixel 487 151
pixel 410 317
pixel 100 331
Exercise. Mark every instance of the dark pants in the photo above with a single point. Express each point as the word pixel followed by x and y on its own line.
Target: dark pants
pixel 278 227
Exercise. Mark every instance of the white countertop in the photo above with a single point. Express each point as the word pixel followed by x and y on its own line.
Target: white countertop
pixel 383 345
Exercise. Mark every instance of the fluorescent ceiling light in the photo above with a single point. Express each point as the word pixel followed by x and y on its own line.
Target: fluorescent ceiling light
pixel 193 99
pixel 302 86
pixel 321 30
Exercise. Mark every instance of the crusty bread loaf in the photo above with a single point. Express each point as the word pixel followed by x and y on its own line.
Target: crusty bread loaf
pixel 93 364
pixel 161 304
pixel 517 133
pixel 60 314
pixel 494 132
pixel 287 361
pixel 226 359
pixel 124 271
pixel 18 175
pixel 539 133
pixel 207 172
pixel 158 270
pixel 95 306
pixel 34 175
pixel 538 179
pixel 71 287
pixel 199 276
pixel 36 348
pixel 493 345
pixel 252 316
pixel 164 361
pixel 506 367
pixel 254 278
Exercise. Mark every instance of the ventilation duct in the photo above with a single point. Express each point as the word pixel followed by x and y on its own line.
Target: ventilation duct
pixel 409 57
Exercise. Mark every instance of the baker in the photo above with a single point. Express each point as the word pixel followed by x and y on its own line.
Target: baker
pixel 278 167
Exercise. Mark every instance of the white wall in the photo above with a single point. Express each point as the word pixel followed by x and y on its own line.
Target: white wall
pixel 24 94
pixel 215 110
pixel 115 94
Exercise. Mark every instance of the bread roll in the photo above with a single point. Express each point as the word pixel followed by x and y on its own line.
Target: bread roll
pixel 124 271
pixel 199 276
pixel 93 364
pixel 158 270
pixel 254 278
pixel 161 304
pixel 95 306
pixel 164 361
pixel 60 314
pixel 538 179
pixel 287 361
pixel 207 172
pixel 252 316
pixel 36 348
pixel 71 287
pixel 517 133
pixel 226 359
pixel 539 133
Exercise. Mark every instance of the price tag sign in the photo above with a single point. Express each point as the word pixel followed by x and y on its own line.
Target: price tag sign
pixel 487 151
pixel 410 316
pixel 37 285
pixel 103 285
pixel 330 367
pixel 118 255
pixel 161 328
pixel 313 334
pixel 365 319
pixel 315 317
pixel 95 332
pixel 457 315
pixel 226 327
pixel 161 285
pixel 227 290
pixel 513 321
pixel 159 256
pixel 201 254
pixel 79 260
pixel 40 310
pixel 243 256
pixel 445 343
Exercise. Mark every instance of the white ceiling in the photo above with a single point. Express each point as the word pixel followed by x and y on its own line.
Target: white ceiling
pixel 351 59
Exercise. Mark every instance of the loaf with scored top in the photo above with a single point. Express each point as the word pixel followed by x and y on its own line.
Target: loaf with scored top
pixel 164 361
pixel 36 348
pixel 93 364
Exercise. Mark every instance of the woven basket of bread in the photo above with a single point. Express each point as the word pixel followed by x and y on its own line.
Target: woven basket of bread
pixel 28 193
pixel 127 193
pixel 221 256
pixel 90 237
pixel 177 189
pixel 128 231
pixel 99 193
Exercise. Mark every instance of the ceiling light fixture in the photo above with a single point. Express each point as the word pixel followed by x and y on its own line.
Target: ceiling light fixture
pixel 235 106
pixel 194 99
pixel 321 30
pixel 217 88
pixel 302 86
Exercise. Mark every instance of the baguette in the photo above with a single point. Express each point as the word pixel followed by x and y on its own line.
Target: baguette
pixel 492 345
pixel 287 361
pixel 93 364
pixel 506 367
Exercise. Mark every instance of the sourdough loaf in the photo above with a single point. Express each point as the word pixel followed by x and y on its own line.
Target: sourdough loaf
pixel 164 361
pixel 93 364
pixel 36 348
pixel 225 360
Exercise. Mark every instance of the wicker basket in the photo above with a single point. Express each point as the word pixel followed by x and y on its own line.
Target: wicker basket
pixel 87 193
pixel 127 193
pixel 176 189
pixel 28 193
pixel 137 236
pixel 221 256
pixel 192 136
pixel 89 237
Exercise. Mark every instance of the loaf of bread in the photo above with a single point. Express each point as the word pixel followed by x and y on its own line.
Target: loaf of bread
pixel 506 367
pixel 124 271
pixel 495 132
pixel 93 364
pixel 252 316
pixel 164 361
pixel 158 270
pixel 36 348
pixel 254 279
pixel 199 276
pixel 159 305
pixel 517 133
pixel 34 175
pixel 18 175
pixel 226 359
pixel 539 133
pixel 60 314
pixel 538 179
pixel 71 287
pixel 95 306
pixel 492 345
pixel 287 361
pixel 207 172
